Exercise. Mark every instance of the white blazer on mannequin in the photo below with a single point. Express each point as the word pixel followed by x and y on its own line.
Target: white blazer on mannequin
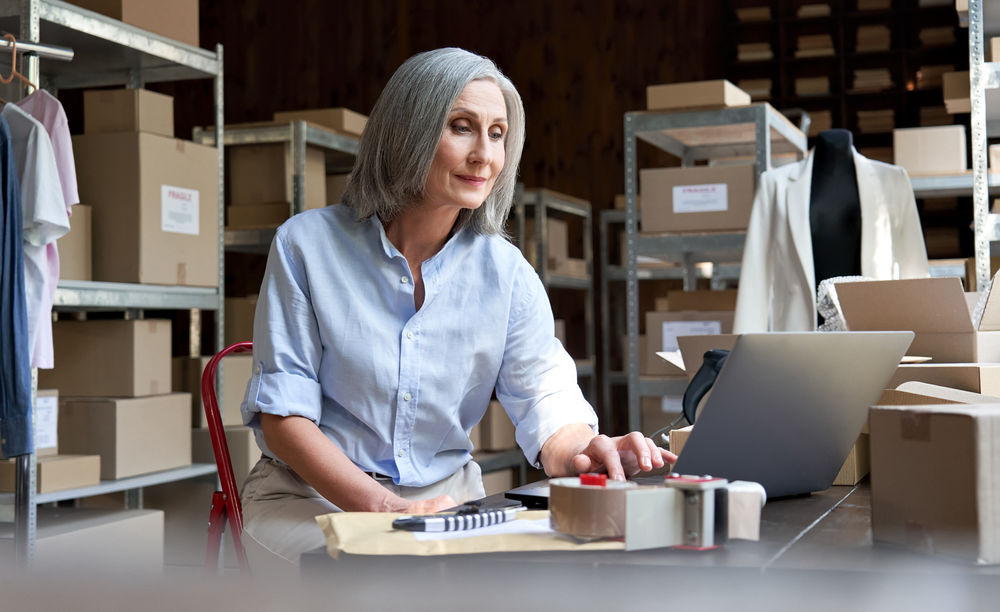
pixel 777 290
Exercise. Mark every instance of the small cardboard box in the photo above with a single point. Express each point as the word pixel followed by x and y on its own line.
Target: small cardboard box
pixel 498 481
pixel 256 215
pixel 955 89
pixel 133 436
pixel 972 377
pixel 75 247
pixel 46 422
pixel 693 349
pixel 620 203
pixel 678 437
pixel 234 372
pixel 935 309
pixel 177 19
pixel 857 464
pixel 336 184
pixel 663 328
pixel 697 94
pixel 115 358
pixel 156 215
pixel 572 267
pixel 933 487
pixel 556 243
pixel 243 450
pixel 938 149
pixel 56 473
pixel 339 119
pixel 128 110
pixel 263 174
pixel 496 429
pixel 694 199
pixel 712 300
pixel 239 319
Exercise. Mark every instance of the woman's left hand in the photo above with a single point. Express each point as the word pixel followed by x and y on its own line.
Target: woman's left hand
pixel 621 456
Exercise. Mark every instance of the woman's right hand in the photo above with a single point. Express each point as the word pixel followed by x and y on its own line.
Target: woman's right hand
pixel 430 506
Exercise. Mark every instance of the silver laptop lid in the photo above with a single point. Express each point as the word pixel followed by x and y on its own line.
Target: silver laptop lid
pixel 788 406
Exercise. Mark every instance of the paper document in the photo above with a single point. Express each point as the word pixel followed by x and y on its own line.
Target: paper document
pixel 540 526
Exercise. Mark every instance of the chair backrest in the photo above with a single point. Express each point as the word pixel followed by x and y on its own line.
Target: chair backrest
pixel 222 459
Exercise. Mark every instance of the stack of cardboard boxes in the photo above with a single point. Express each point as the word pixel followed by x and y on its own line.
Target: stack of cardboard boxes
pixel 558 234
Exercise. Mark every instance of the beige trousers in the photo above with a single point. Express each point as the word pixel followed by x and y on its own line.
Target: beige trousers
pixel 279 507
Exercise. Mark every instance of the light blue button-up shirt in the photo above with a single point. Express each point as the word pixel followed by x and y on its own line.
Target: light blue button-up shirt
pixel 337 339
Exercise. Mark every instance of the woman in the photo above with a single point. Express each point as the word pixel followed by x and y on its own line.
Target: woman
pixel 384 324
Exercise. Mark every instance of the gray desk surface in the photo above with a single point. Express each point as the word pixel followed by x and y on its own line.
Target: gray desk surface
pixel 812 546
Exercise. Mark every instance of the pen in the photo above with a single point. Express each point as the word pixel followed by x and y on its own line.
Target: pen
pixel 455 522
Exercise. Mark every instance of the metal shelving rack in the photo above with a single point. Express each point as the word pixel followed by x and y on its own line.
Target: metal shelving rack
pixel 541 202
pixel 109 52
pixel 757 131
pixel 340 153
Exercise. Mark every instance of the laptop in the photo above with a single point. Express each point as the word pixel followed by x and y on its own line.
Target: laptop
pixel 785 410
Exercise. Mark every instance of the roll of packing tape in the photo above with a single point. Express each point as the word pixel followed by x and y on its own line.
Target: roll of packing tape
pixel 588 511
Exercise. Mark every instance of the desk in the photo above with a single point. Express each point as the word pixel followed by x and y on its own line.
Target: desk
pixel 814 548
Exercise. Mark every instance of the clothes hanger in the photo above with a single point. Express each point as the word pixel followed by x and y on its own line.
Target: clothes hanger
pixel 13 66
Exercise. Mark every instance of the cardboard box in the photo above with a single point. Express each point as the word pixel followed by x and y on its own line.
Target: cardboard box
pixel 572 267
pixel 234 371
pixel 932 485
pixel 972 377
pixel 556 244
pixel 678 437
pixel 176 19
pixel 56 473
pixel 239 319
pixel 128 110
pixel 262 174
pixel 935 309
pixel 133 436
pixel 663 328
pixel 339 119
pixel 662 304
pixel 697 94
pixel 658 412
pixel 857 465
pixel 243 450
pixel 938 149
pixel 620 202
pixel 694 199
pixel 110 358
pixel 711 300
pixel 155 199
pixel 46 422
pixel 75 247
pixel 693 349
pixel 498 481
pixel 496 429
pixel 256 215
pixel 955 90
pixel 336 184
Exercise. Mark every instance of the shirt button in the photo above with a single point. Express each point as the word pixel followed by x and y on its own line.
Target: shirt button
pixel 401 453
pixel 407 397
pixel 404 279
pixel 409 335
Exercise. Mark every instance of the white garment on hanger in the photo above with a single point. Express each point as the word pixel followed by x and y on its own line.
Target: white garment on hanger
pixel 777 290
pixel 45 220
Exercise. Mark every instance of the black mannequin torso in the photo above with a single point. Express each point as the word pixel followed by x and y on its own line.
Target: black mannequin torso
pixel 835 207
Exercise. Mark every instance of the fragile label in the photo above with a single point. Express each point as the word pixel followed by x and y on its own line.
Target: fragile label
pixel 672 329
pixel 46 422
pixel 179 210
pixel 701 198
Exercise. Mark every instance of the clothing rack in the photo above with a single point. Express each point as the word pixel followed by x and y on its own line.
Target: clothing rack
pixel 63 54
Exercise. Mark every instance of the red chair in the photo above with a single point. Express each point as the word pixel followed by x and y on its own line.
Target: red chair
pixel 225 503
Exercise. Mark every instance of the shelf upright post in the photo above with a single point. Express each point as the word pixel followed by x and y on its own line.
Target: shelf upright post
pixel 980 197
pixel 220 120
pixel 631 279
pixel 25 487
pixel 606 420
pixel 298 145
pixel 588 308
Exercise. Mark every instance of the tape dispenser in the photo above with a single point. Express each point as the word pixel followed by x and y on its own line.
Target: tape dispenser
pixel 687 512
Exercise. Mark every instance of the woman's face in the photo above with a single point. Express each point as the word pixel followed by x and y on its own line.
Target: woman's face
pixel 471 153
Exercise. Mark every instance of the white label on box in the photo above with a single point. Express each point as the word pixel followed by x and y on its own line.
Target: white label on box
pixel 672 329
pixel 672 403
pixel 701 198
pixel 46 422
pixel 179 210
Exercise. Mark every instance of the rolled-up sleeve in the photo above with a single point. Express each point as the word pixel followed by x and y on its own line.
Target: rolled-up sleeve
pixel 287 347
pixel 537 384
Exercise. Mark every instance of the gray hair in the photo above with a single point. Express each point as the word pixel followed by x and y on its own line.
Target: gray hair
pixel 405 127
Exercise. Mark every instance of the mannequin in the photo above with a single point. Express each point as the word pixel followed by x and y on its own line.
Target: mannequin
pixel 835 207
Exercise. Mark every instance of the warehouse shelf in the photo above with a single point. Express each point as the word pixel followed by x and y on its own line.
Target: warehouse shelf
pixel 758 131
pixel 89 295
pixel 340 150
pixel 542 202
pixel 494 461
pixel 108 52
pixel 123 484
pixel 949 185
